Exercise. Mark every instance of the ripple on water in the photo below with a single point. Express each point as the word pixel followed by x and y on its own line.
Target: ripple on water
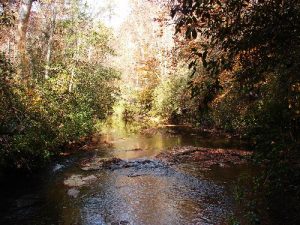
pixel 159 195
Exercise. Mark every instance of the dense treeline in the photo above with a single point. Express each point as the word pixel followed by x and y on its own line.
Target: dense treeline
pixel 54 84
pixel 250 51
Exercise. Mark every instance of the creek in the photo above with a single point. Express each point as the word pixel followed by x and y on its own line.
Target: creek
pixel 148 192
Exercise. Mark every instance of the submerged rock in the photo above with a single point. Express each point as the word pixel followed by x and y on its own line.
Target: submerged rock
pixel 99 163
pixel 73 192
pixel 74 181
pixel 57 168
pixel 79 180
pixel 89 178
pixel 116 163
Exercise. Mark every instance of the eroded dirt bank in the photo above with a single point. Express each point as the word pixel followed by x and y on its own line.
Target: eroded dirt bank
pixel 206 157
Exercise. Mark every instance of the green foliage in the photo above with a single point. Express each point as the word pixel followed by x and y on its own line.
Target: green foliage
pixel 159 101
pixel 37 120
pixel 168 98
pixel 138 107
pixel 46 117
pixel 131 111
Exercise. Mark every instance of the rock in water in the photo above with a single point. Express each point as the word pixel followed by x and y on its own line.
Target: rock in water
pixel 79 180
pixel 74 181
pixel 89 178
pixel 57 167
pixel 100 163
pixel 73 192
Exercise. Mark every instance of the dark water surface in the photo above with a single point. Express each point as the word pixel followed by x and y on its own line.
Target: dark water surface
pixel 145 194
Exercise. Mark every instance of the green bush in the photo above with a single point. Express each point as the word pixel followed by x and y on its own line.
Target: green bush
pixel 168 99
pixel 37 121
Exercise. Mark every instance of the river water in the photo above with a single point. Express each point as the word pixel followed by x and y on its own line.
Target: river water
pixel 148 193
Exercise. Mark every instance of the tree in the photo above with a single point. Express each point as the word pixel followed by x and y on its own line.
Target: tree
pixel 251 38
pixel 251 53
pixel 61 42
pixel 24 14
pixel 51 29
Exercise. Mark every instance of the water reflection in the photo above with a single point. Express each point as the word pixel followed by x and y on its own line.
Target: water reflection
pixel 121 142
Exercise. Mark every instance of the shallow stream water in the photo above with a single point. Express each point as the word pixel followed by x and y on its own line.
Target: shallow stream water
pixel 149 193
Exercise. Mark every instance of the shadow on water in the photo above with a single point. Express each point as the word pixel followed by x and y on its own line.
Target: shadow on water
pixel 155 194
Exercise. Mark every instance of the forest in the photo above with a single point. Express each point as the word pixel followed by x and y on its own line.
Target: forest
pixel 74 74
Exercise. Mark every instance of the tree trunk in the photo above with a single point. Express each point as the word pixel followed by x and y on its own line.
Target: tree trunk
pixel 75 61
pixel 50 40
pixel 8 52
pixel 71 80
pixel 24 14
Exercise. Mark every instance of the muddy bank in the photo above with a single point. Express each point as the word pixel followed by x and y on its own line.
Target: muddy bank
pixel 206 157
